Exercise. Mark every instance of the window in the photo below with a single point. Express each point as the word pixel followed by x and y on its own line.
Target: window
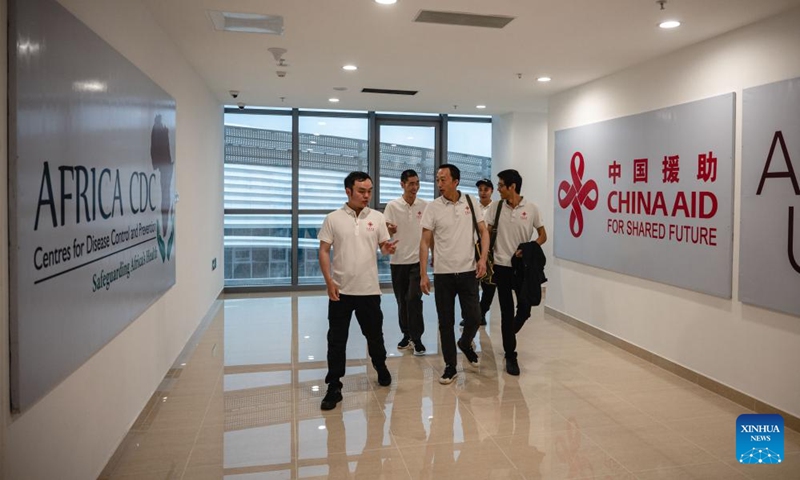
pixel 279 184
pixel 404 147
pixel 330 148
pixel 469 147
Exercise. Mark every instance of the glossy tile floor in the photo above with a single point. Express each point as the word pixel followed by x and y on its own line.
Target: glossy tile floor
pixel 242 403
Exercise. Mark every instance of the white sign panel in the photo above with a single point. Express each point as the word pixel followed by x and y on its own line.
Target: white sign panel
pixel 651 195
pixel 92 149
pixel 769 267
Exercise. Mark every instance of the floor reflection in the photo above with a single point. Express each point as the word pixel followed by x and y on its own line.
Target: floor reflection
pixel 243 403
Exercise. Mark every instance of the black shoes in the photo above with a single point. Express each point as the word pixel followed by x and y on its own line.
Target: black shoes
pixel 333 397
pixel 405 343
pixel 419 348
pixel 469 352
pixel 384 377
pixel 512 367
pixel 449 375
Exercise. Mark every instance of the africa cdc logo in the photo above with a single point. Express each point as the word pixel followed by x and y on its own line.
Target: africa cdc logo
pixel 759 438
pixel 162 161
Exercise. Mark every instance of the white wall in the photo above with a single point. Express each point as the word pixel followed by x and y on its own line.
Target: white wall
pixel 72 432
pixel 753 350
pixel 519 141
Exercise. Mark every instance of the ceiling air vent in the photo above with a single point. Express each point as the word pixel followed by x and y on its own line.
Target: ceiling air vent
pixel 247 22
pixel 386 91
pixel 464 19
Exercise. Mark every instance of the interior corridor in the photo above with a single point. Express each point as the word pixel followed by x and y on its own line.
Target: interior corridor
pixel 242 402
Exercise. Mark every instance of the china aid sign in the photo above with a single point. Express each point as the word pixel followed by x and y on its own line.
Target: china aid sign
pixel 651 195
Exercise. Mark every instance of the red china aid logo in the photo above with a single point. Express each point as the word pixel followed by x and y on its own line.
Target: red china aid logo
pixel 577 195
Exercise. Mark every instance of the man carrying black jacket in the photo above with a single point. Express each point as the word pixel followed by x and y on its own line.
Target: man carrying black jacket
pixel 518 221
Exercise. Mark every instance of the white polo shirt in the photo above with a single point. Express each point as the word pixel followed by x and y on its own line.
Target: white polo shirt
pixel 482 210
pixel 516 225
pixel 453 234
pixel 355 243
pixel 408 219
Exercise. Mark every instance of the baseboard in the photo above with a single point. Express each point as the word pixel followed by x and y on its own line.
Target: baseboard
pixel 789 420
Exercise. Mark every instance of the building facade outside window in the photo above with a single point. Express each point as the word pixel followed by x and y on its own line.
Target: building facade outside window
pixel 280 181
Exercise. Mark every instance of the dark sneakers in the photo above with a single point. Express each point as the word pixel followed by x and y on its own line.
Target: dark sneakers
pixel 512 367
pixel 384 377
pixel 333 397
pixel 449 375
pixel 405 343
pixel 419 348
pixel 469 352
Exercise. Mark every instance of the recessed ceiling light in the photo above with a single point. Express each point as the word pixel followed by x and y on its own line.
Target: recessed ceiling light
pixel 543 79
pixel 321 123
pixel 89 86
pixel 386 2
pixel 480 106
pixel 670 24
pixel 333 100
pixel 350 67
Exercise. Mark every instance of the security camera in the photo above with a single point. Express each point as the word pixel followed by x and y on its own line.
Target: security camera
pixel 234 93
pixel 281 73
pixel 241 105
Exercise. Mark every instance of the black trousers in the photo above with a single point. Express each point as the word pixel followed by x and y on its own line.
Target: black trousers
pixel 370 319
pixel 486 297
pixel 504 278
pixel 405 282
pixel 448 286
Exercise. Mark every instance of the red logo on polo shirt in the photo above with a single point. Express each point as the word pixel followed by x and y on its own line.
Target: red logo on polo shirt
pixel 524 215
pixel 370 227
pixel 467 211
pixel 419 214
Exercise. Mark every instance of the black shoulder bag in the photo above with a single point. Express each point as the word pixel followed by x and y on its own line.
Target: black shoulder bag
pixel 488 277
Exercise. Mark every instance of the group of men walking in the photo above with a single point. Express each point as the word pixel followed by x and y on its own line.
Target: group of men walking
pixel 413 230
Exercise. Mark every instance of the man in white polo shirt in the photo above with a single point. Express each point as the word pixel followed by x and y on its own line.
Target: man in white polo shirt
pixel 447 225
pixel 403 217
pixel 519 221
pixel 355 232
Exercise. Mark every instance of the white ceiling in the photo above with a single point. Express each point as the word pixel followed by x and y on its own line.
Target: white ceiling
pixel 572 41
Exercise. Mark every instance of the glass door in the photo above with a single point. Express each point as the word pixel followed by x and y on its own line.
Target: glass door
pixel 403 146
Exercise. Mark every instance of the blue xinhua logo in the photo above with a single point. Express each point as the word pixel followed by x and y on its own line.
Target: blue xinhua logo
pixel 759 438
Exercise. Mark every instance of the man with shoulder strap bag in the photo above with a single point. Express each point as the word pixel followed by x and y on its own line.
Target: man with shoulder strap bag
pixel 521 222
pixel 447 226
